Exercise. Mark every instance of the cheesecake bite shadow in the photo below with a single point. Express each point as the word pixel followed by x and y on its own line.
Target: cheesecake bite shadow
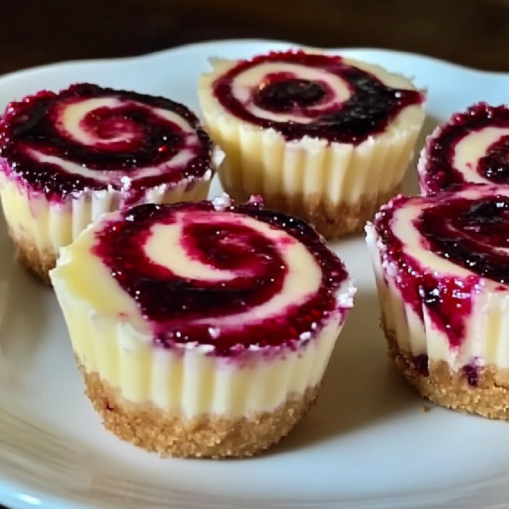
pixel 360 387
pixel 27 313
pixel 410 184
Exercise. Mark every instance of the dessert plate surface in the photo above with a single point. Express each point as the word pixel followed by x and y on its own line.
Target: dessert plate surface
pixel 369 443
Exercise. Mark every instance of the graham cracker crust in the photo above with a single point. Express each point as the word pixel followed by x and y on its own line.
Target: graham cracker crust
pixel 330 220
pixel 36 262
pixel 146 426
pixel 489 397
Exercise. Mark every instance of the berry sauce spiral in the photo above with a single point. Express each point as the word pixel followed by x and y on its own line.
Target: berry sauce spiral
pixel 92 138
pixel 234 277
pixel 305 94
pixel 472 147
pixel 446 247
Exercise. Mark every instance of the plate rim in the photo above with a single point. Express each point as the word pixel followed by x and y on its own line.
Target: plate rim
pixel 142 58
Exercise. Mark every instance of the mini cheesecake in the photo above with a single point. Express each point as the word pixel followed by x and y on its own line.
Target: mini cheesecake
pixel 323 137
pixel 68 157
pixel 211 327
pixel 473 146
pixel 443 282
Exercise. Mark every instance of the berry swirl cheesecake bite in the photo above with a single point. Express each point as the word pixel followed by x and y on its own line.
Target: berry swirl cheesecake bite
pixel 211 327
pixel 443 283
pixel 473 146
pixel 68 157
pixel 323 137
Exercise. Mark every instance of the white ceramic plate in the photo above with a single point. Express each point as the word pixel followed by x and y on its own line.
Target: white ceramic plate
pixel 367 445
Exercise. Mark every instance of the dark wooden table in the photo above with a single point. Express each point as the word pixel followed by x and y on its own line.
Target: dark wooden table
pixel 35 32
pixel 470 32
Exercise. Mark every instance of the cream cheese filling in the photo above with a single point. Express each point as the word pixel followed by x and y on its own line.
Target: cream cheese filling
pixel 111 337
pixel 486 338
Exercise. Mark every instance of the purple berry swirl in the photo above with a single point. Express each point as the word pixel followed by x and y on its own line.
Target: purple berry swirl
pixel 92 138
pixel 302 94
pixel 233 277
pixel 473 146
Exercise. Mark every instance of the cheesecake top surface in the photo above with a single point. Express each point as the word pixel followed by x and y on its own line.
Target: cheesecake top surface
pixel 91 138
pixel 300 94
pixel 473 146
pixel 230 277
